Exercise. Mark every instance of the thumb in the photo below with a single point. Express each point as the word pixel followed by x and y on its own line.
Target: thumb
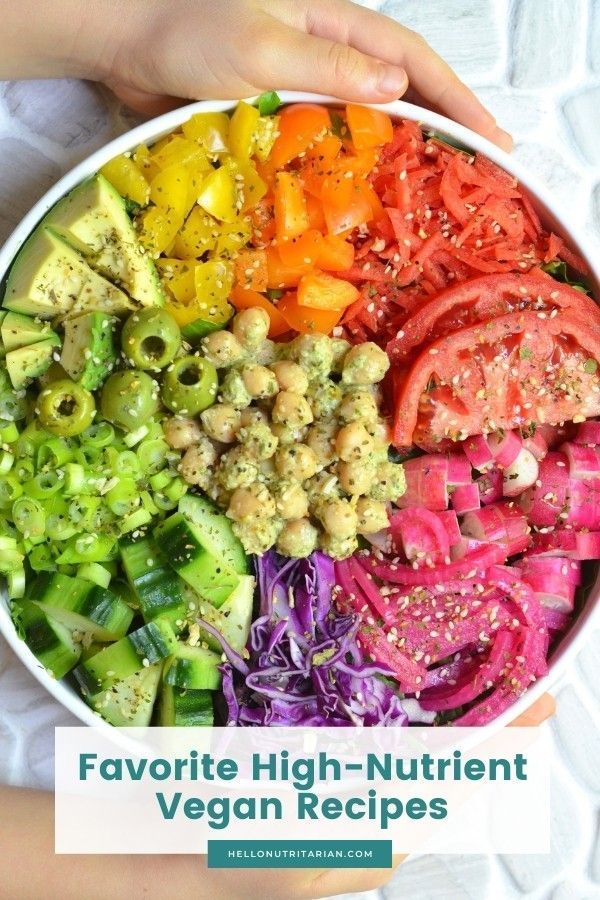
pixel 299 61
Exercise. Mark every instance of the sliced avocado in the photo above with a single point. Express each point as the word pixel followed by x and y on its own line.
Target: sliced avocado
pixel 18 330
pixel 26 363
pixel 3 315
pixel 89 353
pixel 49 279
pixel 95 216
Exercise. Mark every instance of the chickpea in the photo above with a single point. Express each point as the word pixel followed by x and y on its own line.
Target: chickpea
pixel 356 476
pixel 259 440
pixel 222 348
pixel 181 433
pixel 221 422
pixel 290 376
pixel 251 327
pixel 291 409
pixel 353 442
pixel 338 548
pixel 390 482
pixel 267 353
pixel 380 433
pixel 259 381
pixel 372 515
pixel 253 501
pixel 365 364
pixel 290 499
pixel 320 489
pixel 324 397
pixel 298 461
pixel 252 416
pixel 339 348
pixel 338 518
pixel 297 538
pixel 234 391
pixel 236 469
pixel 286 435
pixel 196 462
pixel 321 440
pixel 314 353
pixel 358 406
pixel 258 535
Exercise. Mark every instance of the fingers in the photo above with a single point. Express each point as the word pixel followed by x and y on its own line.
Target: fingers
pixel 380 37
pixel 295 60
pixel 541 710
pixel 142 102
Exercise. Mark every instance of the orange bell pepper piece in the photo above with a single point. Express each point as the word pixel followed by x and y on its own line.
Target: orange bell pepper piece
pixel 344 204
pixel 305 319
pixel 368 127
pixel 291 214
pixel 250 270
pixel 301 251
pixel 335 253
pixel 314 208
pixel 322 291
pixel 280 275
pixel 299 126
pixel 247 299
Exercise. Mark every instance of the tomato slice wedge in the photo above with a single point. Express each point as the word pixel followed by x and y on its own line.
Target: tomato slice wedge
pixel 505 373
pixel 484 298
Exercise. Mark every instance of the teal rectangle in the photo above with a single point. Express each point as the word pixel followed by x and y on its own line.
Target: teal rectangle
pixel 299 854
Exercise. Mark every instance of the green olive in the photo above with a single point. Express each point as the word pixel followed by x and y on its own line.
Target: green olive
pixel 65 408
pixel 150 338
pixel 129 398
pixel 190 385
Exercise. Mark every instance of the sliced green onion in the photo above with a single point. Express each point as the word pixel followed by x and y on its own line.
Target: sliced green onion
pixel 29 516
pixel 59 528
pixel 10 489
pixel 54 453
pixel 160 480
pixel 9 433
pixel 24 469
pixel 134 520
pixel 82 509
pixel 176 489
pixel 152 455
pixel 95 573
pixel 123 498
pixel 163 502
pixel 12 407
pixel 6 461
pixel 86 456
pixel 15 583
pixel 148 503
pixel 40 558
pixel 134 437
pixel 43 485
pixel 88 548
pixel 101 434
pixel 75 479
pixel 126 463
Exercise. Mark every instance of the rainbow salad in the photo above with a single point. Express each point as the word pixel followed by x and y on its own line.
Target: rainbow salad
pixel 298 426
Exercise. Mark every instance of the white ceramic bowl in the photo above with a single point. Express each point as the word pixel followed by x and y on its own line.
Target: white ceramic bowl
pixel 151 131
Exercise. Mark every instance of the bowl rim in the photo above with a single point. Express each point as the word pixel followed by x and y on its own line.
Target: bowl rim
pixel 152 130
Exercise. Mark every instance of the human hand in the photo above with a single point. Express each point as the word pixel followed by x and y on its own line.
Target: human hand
pixel 155 54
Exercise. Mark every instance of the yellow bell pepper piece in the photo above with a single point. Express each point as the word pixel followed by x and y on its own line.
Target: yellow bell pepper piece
pixel 143 161
pixel 252 187
pixel 233 236
pixel 127 179
pixel 185 314
pixel 177 276
pixel 157 228
pixel 170 189
pixel 264 136
pixel 211 130
pixel 199 234
pixel 218 195
pixel 241 130
pixel 214 280
pixel 179 150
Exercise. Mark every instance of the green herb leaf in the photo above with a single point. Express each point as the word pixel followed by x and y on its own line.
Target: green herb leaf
pixel 274 293
pixel 268 103
pixel 525 353
pixel 590 366
pixel 338 126
pixel 451 142
pixel 561 272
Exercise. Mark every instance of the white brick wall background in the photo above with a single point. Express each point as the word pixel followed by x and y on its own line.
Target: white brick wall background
pixel 536 64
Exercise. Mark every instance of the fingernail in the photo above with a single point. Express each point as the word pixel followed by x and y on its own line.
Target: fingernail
pixel 392 80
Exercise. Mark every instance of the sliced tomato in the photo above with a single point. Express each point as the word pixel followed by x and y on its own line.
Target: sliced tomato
pixel 368 127
pixel 502 374
pixel 300 125
pixel 322 291
pixel 248 299
pixel 305 319
pixel 484 298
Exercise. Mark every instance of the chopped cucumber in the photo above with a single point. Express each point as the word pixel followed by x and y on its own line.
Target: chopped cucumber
pixel 234 618
pixel 133 653
pixel 129 701
pixel 217 535
pixel 81 605
pixel 51 642
pixel 193 668
pixel 184 708
pixel 158 589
